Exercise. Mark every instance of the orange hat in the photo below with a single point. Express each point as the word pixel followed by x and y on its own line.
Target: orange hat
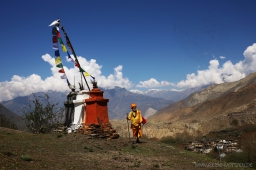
pixel 133 105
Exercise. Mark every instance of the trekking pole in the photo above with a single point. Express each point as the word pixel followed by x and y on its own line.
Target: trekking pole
pixel 128 128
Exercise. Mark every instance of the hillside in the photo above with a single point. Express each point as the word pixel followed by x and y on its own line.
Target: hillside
pixel 214 108
pixel 211 92
pixel 20 150
pixel 12 117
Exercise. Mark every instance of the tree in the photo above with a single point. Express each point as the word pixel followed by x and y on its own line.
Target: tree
pixel 41 115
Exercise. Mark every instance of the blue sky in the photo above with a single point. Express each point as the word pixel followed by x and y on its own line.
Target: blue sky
pixel 138 45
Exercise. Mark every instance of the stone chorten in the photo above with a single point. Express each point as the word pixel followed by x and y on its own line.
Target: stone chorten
pixel 96 115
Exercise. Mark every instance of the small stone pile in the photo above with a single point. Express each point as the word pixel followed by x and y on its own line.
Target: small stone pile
pixel 91 131
pixel 99 131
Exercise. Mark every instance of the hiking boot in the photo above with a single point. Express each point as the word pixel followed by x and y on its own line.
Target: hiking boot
pixel 137 141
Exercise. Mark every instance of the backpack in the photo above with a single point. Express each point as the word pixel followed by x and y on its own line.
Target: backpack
pixel 143 120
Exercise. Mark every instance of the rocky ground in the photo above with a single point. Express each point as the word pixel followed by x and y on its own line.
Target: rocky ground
pixel 21 150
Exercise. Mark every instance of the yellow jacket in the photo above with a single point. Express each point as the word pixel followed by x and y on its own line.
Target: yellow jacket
pixel 135 117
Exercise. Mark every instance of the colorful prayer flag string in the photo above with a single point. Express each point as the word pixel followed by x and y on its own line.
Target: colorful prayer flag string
pixel 58 62
pixel 57 38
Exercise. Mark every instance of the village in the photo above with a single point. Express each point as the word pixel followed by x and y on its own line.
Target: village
pixel 222 146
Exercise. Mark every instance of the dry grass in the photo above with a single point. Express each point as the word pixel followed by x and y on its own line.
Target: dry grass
pixel 21 150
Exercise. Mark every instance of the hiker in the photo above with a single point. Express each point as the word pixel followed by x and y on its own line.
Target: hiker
pixel 136 119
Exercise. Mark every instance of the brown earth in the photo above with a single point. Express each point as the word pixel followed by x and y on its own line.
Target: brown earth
pixel 21 150
pixel 243 100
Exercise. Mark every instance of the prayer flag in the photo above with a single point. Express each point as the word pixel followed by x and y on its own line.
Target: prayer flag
pixel 54 39
pixel 54 31
pixel 55 22
pixel 55 46
pixel 62 71
pixel 86 74
pixel 81 70
pixel 77 65
pixel 60 40
pixel 63 48
pixel 68 83
pixel 63 76
pixel 92 77
pixel 58 33
pixel 72 59
pixel 59 65
pixel 58 60
pixel 69 57
pixel 57 53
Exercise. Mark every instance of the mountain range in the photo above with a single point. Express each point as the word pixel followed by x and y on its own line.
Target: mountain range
pixel 17 104
pixel 119 103
pixel 173 95
pixel 120 100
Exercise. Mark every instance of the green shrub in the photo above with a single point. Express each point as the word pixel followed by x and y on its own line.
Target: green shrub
pixel 26 158
pixel 42 115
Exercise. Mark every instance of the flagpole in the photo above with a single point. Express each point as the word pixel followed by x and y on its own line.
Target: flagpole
pixel 73 52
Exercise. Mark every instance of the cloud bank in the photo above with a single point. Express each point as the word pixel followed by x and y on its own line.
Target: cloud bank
pixel 215 74
pixel 22 86
pixel 153 83
pixel 228 72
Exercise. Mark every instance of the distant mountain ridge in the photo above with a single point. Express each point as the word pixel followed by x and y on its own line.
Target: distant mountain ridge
pixel 120 100
pixel 119 103
pixel 170 94
pixel 15 105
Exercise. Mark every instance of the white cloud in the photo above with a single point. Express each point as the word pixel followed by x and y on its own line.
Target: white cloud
pixel 215 73
pixel 153 83
pixel 227 73
pixel 115 79
pixel 21 86
pixel 137 91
